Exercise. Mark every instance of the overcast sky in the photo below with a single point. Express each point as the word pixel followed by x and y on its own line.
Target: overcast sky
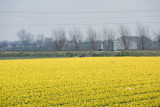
pixel 42 16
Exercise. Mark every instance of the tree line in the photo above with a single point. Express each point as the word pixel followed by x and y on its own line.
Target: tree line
pixel 106 36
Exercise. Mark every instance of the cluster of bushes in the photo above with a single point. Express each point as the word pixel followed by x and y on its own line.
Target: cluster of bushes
pixel 138 53
pixel 39 54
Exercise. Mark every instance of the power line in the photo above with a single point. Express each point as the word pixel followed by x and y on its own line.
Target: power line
pixel 78 12
pixel 86 24
pixel 80 17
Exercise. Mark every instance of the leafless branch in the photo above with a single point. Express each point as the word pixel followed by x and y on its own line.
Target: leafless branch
pixel 59 38
pixel 108 36
pixel 158 38
pixel 93 37
pixel 76 37
pixel 25 37
pixel 124 32
pixel 40 40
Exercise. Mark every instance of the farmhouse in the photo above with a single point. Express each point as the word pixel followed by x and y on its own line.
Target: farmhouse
pixel 134 43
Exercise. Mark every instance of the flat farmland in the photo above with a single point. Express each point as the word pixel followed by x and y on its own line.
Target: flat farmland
pixel 92 81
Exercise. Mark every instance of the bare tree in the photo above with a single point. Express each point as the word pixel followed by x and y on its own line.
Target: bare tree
pixel 76 37
pixel 40 40
pixel 158 38
pixel 93 37
pixel 108 37
pixel 143 34
pixel 14 44
pixel 59 38
pixel 3 44
pixel 25 37
pixel 125 33
pixel 21 36
pixel 48 42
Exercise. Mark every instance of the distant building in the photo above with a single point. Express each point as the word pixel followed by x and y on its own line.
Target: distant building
pixel 83 46
pixel 113 46
pixel 134 43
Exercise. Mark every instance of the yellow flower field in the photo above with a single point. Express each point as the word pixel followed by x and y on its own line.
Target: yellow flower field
pixel 101 81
